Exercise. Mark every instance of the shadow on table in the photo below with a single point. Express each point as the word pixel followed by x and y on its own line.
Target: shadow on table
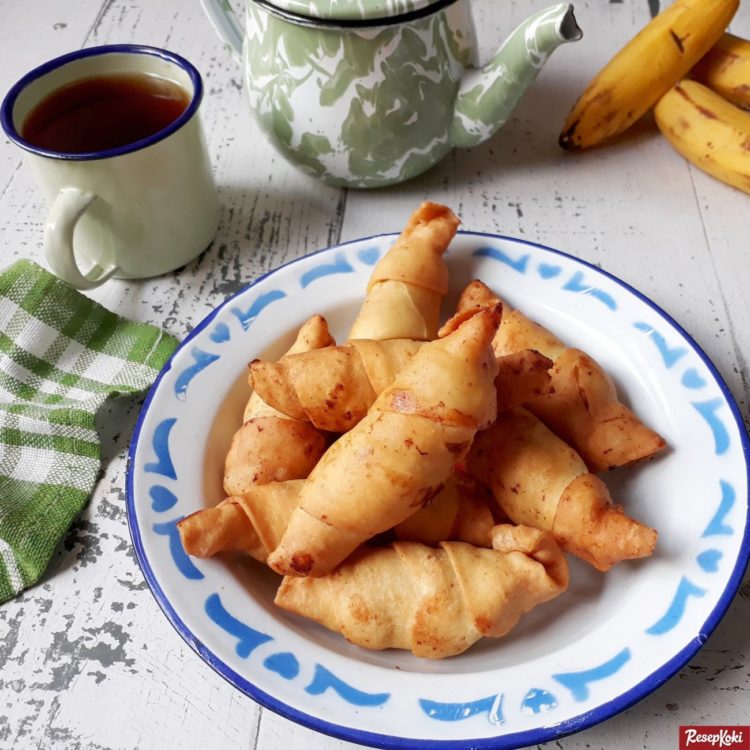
pixel 528 141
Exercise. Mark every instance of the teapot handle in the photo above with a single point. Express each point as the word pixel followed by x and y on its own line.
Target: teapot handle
pixel 225 23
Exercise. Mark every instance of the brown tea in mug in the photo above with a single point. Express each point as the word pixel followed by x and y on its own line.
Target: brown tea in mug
pixel 104 112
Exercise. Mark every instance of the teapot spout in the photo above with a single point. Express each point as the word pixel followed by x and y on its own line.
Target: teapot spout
pixel 488 95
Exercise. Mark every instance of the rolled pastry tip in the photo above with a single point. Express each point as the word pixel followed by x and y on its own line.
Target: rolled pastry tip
pixel 252 523
pixel 582 407
pixel 312 335
pixel 409 282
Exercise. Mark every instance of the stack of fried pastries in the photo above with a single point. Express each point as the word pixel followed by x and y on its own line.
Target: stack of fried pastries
pixel 417 487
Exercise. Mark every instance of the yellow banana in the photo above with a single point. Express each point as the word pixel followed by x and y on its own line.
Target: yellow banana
pixel 644 69
pixel 708 131
pixel 726 69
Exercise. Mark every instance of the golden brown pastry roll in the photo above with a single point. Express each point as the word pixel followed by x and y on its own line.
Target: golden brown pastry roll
pixel 336 386
pixel 399 456
pixel 521 376
pixel 271 449
pixel 407 285
pixel 251 523
pixel 580 404
pixel 461 511
pixel 269 446
pixel 540 481
pixel 254 522
pixel 582 407
pixel 313 335
pixel 333 387
pixel 434 602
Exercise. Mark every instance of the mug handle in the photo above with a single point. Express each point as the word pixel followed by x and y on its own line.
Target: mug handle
pixel 69 206
pixel 225 23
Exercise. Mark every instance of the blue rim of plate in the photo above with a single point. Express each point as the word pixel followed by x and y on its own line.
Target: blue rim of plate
pixel 502 742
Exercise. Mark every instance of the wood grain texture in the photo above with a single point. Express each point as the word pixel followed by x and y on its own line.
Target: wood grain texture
pixel 87 659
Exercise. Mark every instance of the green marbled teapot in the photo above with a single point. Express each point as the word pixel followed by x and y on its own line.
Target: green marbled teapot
pixel 367 93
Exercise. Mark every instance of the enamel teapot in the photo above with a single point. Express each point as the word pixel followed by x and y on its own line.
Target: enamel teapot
pixel 367 93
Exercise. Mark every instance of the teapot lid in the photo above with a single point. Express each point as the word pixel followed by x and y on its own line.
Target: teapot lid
pixel 352 12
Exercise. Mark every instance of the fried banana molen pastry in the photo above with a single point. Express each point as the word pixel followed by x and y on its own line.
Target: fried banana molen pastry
pixel 540 481
pixel 270 446
pixel 399 455
pixel 409 282
pixel 581 403
pixel 434 602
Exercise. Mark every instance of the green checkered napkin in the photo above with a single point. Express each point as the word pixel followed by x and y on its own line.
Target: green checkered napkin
pixel 61 357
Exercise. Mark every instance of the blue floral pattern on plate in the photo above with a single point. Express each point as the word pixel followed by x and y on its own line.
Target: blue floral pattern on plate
pixel 552 702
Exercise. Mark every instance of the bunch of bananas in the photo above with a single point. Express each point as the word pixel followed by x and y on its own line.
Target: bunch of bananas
pixel 702 118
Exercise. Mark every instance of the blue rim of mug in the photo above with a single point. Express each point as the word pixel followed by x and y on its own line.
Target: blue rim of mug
pixel 9 102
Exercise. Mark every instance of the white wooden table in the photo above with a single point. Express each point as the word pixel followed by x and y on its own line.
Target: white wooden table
pixel 87 659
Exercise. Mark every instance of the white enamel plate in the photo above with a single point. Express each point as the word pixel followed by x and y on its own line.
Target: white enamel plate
pixel 607 642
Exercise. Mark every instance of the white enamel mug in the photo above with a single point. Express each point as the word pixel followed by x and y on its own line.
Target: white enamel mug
pixel 131 212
